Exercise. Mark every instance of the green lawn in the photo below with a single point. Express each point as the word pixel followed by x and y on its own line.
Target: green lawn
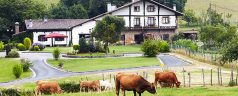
pixel 6 66
pixel 196 91
pixel 118 49
pixel 79 65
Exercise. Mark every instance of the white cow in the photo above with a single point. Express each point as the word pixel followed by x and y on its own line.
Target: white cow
pixel 106 84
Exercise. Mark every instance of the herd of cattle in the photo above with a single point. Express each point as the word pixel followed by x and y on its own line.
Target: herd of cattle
pixel 123 82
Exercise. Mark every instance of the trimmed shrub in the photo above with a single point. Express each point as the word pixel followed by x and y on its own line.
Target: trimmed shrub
pixel 70 87
pixel 13 54
pixel 76 47
pixel 26 64
pixel 83 46
pixel 1 46
pixel 150 48
pixel 92 48
pixel 21 47
pixel 36 48
pixel 56 53
pixel 17 70
pixel 15 92
pixel 164 46
pixel 41 46
pixel 232 83
pixel 27 43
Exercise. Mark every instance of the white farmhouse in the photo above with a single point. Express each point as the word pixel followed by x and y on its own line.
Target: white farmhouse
pixel 143 18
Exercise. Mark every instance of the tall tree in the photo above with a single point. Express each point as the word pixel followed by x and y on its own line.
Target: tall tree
pixel 108 30
pixel 77 12
pixel 69 3
pixel 97 7
pixel 189 17
pixel 12 11
pixel 60 12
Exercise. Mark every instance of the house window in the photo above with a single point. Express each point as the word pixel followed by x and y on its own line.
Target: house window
pixel 59 39
pixel 150 8
pixel 165 20
pixel 151 21
pixel 42 38
pixel 136 8
pixel 165 37
pixel 137 22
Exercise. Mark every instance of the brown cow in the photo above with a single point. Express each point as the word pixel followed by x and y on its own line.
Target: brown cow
pixel 90 85
pixel 133 82
pixel 166 77
pixel 48 86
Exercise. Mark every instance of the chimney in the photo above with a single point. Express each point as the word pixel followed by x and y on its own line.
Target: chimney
pixel 17 28
pixel 30 24
pixel 110 7
pixel 45 19
pixel 175 7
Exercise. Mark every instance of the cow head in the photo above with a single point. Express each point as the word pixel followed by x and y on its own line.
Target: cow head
pixel 151 88
pixel 178 84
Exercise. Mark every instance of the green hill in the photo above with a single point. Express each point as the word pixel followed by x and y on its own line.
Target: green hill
pixel 222 6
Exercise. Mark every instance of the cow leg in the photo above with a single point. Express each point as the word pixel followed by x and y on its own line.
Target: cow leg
pixel 139 94
pixel 160 83
pixel 124 92
pixel 134 91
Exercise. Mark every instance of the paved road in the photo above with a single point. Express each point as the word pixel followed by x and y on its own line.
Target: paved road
pixel 43 71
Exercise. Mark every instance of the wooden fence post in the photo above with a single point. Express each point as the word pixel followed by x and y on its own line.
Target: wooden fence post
pixel 236 75
pixel 183 78
pixel 86 78
pixel 103 77
pixel 211 77
pixel 203 77
pixel 189 82
pixel 110 78
pixel 221 76
pixel 218 76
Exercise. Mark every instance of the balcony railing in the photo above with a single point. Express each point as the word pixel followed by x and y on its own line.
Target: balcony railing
pixel 150 27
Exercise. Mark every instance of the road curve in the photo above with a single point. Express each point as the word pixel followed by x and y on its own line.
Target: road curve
pixel 44 71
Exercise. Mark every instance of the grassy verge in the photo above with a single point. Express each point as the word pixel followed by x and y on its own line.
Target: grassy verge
pixel 6 66
pixel 80 65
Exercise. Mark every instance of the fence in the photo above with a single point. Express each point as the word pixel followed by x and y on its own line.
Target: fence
pixel 189 77
pixel 212 58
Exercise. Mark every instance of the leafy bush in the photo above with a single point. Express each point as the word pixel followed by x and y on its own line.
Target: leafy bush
pixel 17 70
pixel 41 46
pixel 21 47
pixel 150 48
pixel 36 48
pixel 27 43
pixel 92 48
pixel 185 43
pixel 15 92
pixel 76 47
pixel 61 65
pixel 99 48
pixel 83 46
pixel 1 46
pixel 56 53
pixel 26 64
pixel 13 54
pixel 164 46
pixel 232 83
pixel 70 87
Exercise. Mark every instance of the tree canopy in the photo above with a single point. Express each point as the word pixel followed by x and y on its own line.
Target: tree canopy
pixel 108 30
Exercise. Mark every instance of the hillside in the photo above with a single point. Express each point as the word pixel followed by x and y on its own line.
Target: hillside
pixel 222 6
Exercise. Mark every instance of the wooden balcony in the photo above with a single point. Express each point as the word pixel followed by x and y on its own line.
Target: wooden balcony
pixel 150 27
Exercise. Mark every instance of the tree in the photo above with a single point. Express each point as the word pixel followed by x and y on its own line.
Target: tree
pixel 189 17
pixel 77 12
pixel 60 12
pixel 83 46
pixel 108 30
pixel 69 3
pixel 12 11
pixel 230 52
pixel 180 4
pixel 97 7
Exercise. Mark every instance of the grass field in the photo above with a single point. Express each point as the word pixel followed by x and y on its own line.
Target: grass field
pixel 200 6
pixel 79 65
pixel 118 49
pixel 6 66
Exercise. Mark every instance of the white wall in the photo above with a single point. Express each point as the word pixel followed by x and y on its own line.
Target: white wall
pixel 172 20
pixel 165 12
pixel 49 40
pixel 84 29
